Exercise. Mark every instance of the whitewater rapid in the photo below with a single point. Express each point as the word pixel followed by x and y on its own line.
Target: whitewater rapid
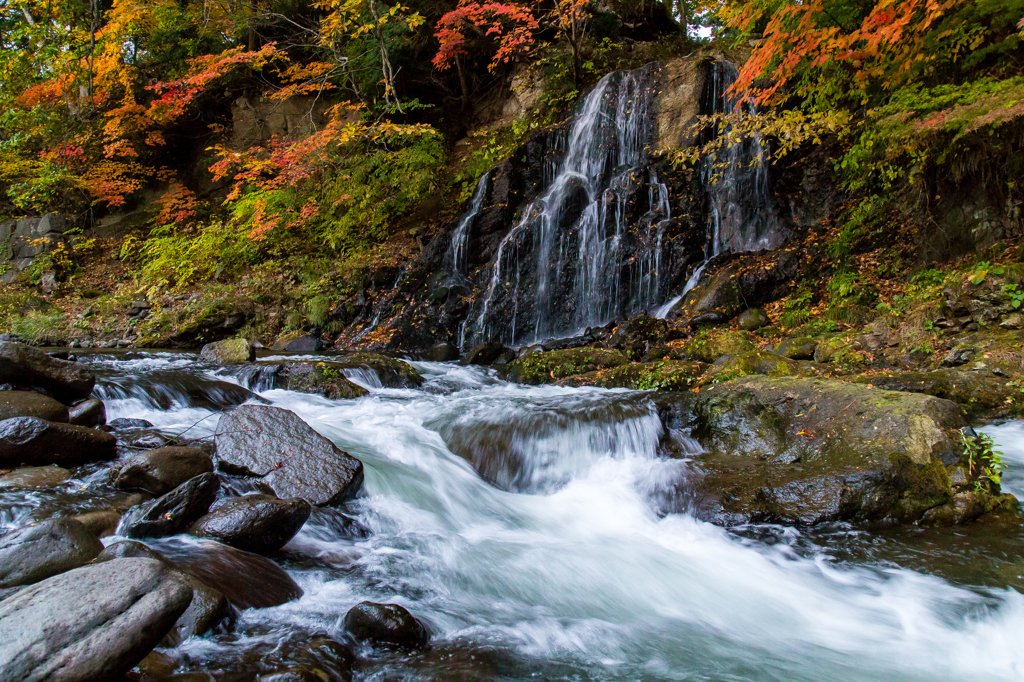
pixel 566 565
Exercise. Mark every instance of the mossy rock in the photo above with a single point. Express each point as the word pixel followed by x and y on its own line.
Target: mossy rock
pixel 393 373
pixel 229 351
pixel 708 346
pixel 544 367
pixel 840 351
pixel 797 348
pixel 756 362
pixel 642 376
pixel 322 378
pixel 806 451
pixel 978 393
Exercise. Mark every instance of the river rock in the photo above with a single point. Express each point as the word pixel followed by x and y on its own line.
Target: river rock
pixel 31 404
pixel 174 512
pixel 290 457
pixel 976 392
pixel 391 372
pixel 122 423
pixel 541 368
pixel 22 365
pixel 298 343
pixel 208 608
pixel 255 523
pixel 638 335
pixel 708 346
pixel 126 549
pixel 91 624
pixel 162 470
pixel 388 624
pixel 486 353
pixel 321 378
pixel 797 348
pixel 89 412
pixel 36 441
pixel 35 477
pixel 35 553
pixel 247 580
pixel 802 450
pixel 229 351
pixel 753 319
pixel 441 352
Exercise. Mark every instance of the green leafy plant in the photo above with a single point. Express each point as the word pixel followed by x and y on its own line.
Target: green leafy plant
pixel 984 461
pixel 1015 294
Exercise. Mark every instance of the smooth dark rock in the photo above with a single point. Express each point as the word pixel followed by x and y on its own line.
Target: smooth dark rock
pixel 174 512
pixel 89 412
pixel 127 549
pixel 162 470
pixel 753 319
pixel 442 352
pixel 208 608
pixel 35 553
pixel 35 477
pixel 304 344
pixel 124 423
pixel 24 365
pixel 101 523
pixel 30 440
pixel 388 624
pixel 291 458
pixel 31 404
pixel 255 523
pixel 248 580
pixel 485 353
pixel 92 624
pixel 229 351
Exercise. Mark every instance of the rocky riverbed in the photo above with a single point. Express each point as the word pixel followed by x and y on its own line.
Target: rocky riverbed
pixel 356 516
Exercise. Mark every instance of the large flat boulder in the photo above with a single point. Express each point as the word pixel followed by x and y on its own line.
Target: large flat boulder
pixel 162 470
pixel 22 365
pixel 30 404
pixel 805 451
pixel 38 552
pixel 90 624
pixel 290 457
pixel 30 440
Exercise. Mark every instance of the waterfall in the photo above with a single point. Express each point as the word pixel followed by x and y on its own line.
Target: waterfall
pixel 579 256
pixel 455 258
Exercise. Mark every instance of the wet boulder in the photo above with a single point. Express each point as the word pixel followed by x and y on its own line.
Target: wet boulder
pixel 709 346
pixel 297 343
pixel 100 522
pixel 92 623
pixel 642 376
pixel 174 512
pixel 540 368
pixel 208 608
pixel 803 450
pixel 22 365
pixel 162 470
pixel 255 523
pixel 30 404
pixel 387 624
pixel 797 348
pixel 755 362
pixel 637 336
pixel 128 549
pixel 391 372
pixel 31 440
pixel 488 353
pixel 229 351
pixel 321 378
pixel 123 423
pixel 441 352
pixel 840 351
pixel 753 319
pixel 247 580
pixel 35 553
pixel 35 477
pixel 286 453
pixel 89 412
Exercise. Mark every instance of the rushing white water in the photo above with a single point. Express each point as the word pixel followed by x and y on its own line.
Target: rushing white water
pixel 1009 438
pixel 579 577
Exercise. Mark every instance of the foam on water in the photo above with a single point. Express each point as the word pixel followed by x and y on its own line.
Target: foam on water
pixel 580 576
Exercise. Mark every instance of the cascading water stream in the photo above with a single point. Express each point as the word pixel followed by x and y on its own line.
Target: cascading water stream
pixel 455 258
pixel 583 559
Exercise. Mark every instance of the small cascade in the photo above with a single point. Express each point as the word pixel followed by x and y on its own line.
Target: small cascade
pixel 455 258
pixel 741 212
pixel 588 248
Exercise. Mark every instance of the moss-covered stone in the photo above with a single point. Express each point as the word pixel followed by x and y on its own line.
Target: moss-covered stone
pixel 980 393
pixel 801 450
pixel 322 378
pixel 797 348
pixel 708 346
pixel 393 373
pixel 229 351
pixel 839 350
pixel 666 375
pixel 540 367
pixel 757 362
